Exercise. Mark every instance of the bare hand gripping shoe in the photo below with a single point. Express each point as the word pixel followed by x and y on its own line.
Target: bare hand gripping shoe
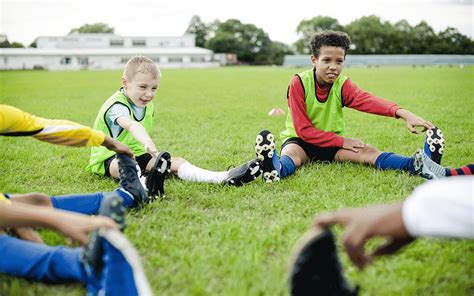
pixel 316 269
pixel 244 173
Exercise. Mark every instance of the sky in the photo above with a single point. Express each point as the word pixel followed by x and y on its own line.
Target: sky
pixel 24 20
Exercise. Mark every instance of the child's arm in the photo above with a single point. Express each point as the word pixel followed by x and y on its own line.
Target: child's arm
pixel 139 132
pixel 354 97
pixel 412 120
pixel 75 226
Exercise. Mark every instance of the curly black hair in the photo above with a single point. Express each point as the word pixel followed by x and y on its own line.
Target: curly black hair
pixel 329 38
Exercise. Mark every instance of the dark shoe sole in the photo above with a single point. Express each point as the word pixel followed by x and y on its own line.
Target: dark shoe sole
pixel 130 180
pixel 316 269
pixel 112 207
pixel 156 177
pixel 434 144
pixel 244 173
pixel 264 150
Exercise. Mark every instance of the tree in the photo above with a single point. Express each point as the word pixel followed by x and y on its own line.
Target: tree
pixel 370 36
pixel 92 28
pixel 4 43
pixel 278 52
pixel 451 41
pixel 306 28
pixel 17 45
pixel 251 44
pixel 200 29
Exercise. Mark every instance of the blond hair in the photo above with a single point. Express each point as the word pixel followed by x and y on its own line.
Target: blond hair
pixel 140 64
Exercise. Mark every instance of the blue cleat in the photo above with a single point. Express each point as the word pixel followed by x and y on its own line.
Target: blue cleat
pixel 434 144
pixel 266 153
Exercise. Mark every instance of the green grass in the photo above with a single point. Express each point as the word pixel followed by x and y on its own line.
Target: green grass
pixel 214 240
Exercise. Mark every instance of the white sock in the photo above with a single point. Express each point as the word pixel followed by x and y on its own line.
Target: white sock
pixel 189 172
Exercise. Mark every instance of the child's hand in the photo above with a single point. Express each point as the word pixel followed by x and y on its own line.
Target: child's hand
pixel 353 144
pixel 413 121
pixel 151 148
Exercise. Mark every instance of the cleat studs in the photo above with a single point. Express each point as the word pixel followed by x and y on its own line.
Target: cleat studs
pixel 432 148
pixel 429 132
pixel 259 139
pixel 270 137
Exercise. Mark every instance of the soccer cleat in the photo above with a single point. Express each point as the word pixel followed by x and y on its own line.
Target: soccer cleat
pixel 112 207
pixel 244 173
pixel 156 177
pixel 130 179
pixel 434 144
pixel 427 168
pixel 116 268
pixel 316 269
pixel 265 150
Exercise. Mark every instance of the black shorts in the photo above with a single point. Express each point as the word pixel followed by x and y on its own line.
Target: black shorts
pixel 314 153
pixel 142 161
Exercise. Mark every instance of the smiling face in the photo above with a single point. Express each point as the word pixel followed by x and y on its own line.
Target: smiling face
pixel 141 89
pixel 329 64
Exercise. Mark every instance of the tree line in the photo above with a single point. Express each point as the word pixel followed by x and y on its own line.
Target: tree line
pixel 369 34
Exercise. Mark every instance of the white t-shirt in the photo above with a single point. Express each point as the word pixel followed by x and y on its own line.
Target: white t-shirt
pixel 441 208
pixel 118 110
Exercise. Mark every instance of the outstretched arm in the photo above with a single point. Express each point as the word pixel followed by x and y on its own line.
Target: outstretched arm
pixel 413 121
pixel 75 226
pixel 139 132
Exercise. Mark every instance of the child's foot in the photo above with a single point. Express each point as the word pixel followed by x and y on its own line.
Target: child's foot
pixel 316 269
pixel 265 151
pixel 244 173
pixel 427 168
pixel 112 207
pixel 434 144
pixel 130 179
pixel 156 177
pixel 113 266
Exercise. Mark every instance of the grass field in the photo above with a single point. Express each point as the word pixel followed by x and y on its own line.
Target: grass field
pixel 215 240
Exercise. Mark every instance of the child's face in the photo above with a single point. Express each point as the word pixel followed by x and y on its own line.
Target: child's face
pixel 328 64
pixel 141 89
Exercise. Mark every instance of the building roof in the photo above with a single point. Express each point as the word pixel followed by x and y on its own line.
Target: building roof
pixel 104 51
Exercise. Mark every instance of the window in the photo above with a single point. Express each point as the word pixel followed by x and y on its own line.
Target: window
pixel 139 42
pixel 175 60
pixel 156 60
pixel 124 60
pixel 65 61
pixel 83 61
pixel 116 43
pixel 197 59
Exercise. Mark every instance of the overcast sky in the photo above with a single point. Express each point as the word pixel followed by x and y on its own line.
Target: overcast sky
pixel 23 20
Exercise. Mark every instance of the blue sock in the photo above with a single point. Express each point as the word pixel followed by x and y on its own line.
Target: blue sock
pixel 392 161
pixel 287 166
pixel 88 204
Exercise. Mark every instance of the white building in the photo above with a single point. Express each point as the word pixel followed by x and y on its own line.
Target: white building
pixel 106 51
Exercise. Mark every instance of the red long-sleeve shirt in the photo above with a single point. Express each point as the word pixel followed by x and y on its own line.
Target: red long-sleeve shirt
pixel 352 97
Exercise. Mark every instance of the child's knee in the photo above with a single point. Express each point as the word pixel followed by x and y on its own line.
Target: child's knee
pixel 34 198
pixel 176 162
pixel 369 154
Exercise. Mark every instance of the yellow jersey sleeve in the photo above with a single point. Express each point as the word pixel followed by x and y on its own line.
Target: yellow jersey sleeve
pixel 4 200
pixel 15 122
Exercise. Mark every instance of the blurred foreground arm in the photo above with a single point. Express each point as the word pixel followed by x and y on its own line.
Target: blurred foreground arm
pixel 75 226
pixel 442 208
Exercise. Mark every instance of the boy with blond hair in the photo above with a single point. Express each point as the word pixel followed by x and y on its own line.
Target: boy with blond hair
pixel 128 117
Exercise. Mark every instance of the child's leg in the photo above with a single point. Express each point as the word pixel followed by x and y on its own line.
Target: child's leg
pixel 34 198
pixel 188 172
pixel 40 262
pixel 382 160
pixel 464 170
pixel 88 204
